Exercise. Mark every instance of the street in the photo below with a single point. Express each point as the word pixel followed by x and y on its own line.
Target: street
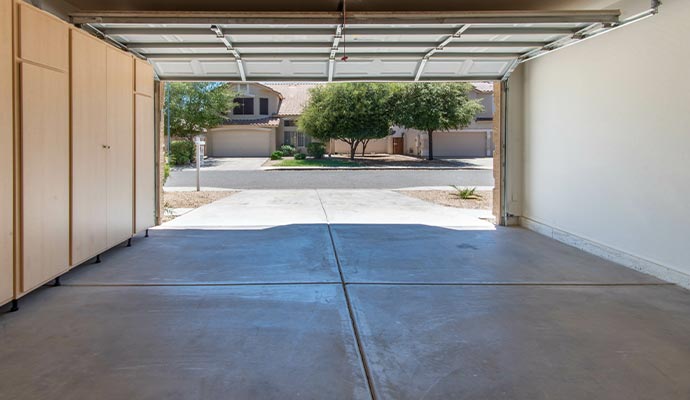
pixel 331 179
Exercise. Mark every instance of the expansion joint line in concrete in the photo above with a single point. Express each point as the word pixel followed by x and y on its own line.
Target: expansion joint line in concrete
pixel 350 310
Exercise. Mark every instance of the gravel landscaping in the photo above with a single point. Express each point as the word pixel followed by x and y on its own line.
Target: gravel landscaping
pixel 449 198
pixel 189 200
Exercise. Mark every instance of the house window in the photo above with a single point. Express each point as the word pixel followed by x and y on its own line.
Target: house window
pixel 287 138
pixel 289 122
pixel 300 139
pixel 263 106
pixel 245 106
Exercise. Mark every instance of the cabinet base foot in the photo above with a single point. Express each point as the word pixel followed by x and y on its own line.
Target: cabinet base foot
pixel 98 259
pixel 15 306
pixel 129 242
pixel 147 233
pixel 57 282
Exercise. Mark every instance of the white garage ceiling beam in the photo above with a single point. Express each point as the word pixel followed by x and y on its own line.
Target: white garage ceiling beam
pixel 439 47
pixel 354 17
pixel 226 42
pixel 337 37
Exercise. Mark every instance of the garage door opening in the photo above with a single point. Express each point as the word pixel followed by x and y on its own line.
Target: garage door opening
pixel 255 147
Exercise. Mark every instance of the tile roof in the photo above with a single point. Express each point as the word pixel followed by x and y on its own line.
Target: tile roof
pixel 266 121
pixel 483 87
pixel 295 96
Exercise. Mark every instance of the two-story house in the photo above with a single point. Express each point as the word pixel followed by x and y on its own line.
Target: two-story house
pixel 266 118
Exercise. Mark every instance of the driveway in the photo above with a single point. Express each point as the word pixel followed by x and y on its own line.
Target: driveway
pixel 347 294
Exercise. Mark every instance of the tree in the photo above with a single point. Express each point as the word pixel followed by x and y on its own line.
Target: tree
pixel 352 112
pixel 196 106
pixel 431 107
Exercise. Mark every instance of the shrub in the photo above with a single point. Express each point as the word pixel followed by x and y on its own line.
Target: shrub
pixel 182 152
pixel 166 172
pixel 300 156
pixel 287 150
pixel 276 155
pixel 467 193
pixel 316 149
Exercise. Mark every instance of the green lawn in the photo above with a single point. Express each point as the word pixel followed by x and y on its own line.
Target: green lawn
pixel 324 162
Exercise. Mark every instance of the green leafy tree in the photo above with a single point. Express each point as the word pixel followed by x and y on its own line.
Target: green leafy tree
pixel 196 106
pixel 431 107
pixel 352 112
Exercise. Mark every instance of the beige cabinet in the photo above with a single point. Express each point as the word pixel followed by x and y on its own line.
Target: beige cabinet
pixel 102 146
pixel 145 176
pixel 6 155
pixel 45 174
pixel 89 147
pixel 120 159
pixel 43 88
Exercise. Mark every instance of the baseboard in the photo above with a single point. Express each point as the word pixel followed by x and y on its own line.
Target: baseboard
pixel 609 253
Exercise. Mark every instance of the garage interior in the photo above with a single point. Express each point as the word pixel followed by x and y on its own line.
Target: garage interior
pixel 580 292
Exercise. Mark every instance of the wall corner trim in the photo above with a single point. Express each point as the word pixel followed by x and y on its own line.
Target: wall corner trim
pixel 619 257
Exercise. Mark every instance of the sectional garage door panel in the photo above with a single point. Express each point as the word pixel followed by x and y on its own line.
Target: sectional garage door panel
pixel 240 144
pixel 460 144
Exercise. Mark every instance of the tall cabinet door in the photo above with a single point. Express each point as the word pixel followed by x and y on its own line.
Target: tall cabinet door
pixel 145 175
pixel 6 154
pixel 89 147
pixel 45 174
pixel 120 168
pixel 43 53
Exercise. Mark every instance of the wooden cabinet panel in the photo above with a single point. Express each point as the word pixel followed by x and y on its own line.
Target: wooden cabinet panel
pixel 144 78
pixel 89 147
pixel 43 38
pixel 145 182
pixel 6 154
pixel 45 174
pixel 120 102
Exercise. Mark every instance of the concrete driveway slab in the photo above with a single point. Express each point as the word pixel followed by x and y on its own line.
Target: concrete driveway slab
pixel 391 208
pixel 576 343
pixel 296 253
pixel 258 208
pixel 414 253
pixel 250 342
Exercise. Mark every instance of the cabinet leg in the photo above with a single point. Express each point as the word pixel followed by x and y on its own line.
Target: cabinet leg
pixel 57 282
pixel 129 242
pixel 15 306
pixel 98 259
pixel 147 233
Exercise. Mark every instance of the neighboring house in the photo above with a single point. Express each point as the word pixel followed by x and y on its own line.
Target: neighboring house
pixel 475 140
pixel 266 118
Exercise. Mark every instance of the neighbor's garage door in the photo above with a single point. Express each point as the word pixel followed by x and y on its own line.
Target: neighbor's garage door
pixel 239 144
pixel 460 144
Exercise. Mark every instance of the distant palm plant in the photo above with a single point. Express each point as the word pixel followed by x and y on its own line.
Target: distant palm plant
pixel 467 193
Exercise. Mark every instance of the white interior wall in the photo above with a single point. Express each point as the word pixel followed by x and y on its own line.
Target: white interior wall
pixel 606 156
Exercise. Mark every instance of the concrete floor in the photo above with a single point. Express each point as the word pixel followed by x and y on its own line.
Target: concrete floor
pixel 326 303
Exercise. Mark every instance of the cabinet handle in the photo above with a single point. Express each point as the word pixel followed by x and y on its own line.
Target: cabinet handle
pixel 105 147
